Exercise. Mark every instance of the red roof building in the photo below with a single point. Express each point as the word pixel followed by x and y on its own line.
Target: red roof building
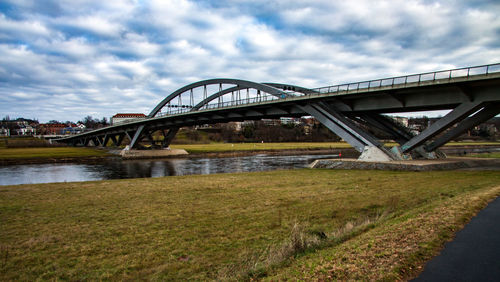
pixel 51 128
pixel 126 117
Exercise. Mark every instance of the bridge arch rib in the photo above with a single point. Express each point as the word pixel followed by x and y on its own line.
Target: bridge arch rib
pixel 277 90
pixel 279 86
pixel 274 89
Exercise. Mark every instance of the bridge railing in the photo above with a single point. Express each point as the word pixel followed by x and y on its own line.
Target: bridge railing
pixel 413 78
pixel 350 87
pixel 216 105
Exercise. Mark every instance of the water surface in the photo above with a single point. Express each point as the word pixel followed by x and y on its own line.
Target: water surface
pixel 119 169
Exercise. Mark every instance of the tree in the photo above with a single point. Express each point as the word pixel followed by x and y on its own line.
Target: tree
pixel 248 131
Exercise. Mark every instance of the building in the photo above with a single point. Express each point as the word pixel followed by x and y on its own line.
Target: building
pixel 20 126
pixel 289 121
pixel 51 128
pixel 71 130
pixel 4 131
pixel 270 122
pixel 401 120
pixel 126 117
pixel 26 130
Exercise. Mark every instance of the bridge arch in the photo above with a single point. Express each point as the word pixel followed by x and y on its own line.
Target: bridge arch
pixel 258 86
pixel 277 90
pixel 272 89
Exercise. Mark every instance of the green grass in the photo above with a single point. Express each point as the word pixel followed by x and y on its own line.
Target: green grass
pixel 472 143
pixel 486 155
pixel 49 152
pixel 206 227
pixel 227 147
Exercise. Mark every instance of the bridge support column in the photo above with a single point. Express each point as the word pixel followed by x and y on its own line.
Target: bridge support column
pixel 399 133
pixel 130 135
pixel 114 140
pixel 135 140
pixel 105 140
pixel 98 141
pixel 487 112
pixel 120 139
pixel 170 136
pixel 142 132
pixel 459 113
pixel 371 149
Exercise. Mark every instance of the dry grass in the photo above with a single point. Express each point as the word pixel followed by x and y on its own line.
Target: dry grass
pixel 49 152
pixel 301 239
pixel 211 227
pixel 26 142
pixel 396 249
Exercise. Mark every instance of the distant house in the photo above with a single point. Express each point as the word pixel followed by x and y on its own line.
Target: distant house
pixel 52 128
pixel 126 117
pixel 26 130
pixel 4 131
pixel 401 120
pixel 81 126
pixel 289 120
pixel 71 130
pixel 270 122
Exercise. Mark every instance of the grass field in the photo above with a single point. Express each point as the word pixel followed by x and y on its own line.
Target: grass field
pixel 225 147
pixel 486 155
pixel 72 152
pixel 49 152
pixel 286 224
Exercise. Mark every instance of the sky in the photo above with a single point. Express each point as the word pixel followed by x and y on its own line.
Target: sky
pixel 67 59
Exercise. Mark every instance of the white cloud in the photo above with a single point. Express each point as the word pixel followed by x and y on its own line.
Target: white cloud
pixel 15 30
pixel 127 55
pixel 93 23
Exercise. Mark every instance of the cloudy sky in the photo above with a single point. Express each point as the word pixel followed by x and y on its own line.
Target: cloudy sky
pixel 67 59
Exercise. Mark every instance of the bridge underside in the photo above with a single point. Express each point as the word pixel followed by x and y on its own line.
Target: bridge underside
pixel 471 101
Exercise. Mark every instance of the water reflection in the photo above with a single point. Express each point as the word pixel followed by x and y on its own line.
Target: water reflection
pixel 118 169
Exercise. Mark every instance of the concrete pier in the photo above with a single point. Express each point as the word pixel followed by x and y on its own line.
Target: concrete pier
pixel 409 165
pixel 150 154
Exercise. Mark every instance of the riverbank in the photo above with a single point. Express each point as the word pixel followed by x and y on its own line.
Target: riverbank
pixel 224 147
pixel 17 156
pixel 288 224
pixel 14 156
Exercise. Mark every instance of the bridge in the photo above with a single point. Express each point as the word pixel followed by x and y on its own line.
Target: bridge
pixel 472 94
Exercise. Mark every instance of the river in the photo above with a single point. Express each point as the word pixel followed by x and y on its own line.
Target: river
pixel 120 169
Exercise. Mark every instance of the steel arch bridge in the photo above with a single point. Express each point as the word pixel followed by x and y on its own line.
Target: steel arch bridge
pixel 472 94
